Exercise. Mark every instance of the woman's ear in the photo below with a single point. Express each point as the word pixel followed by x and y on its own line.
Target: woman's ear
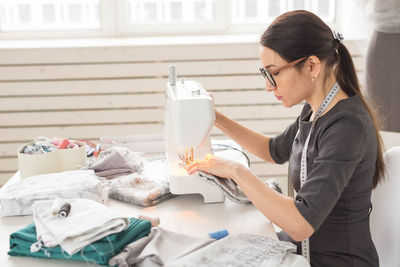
pixel 314 67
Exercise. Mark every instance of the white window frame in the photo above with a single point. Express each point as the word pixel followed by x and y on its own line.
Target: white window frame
pixel 107 20
pixel 258 28
pixel 113 15
pixel 217 26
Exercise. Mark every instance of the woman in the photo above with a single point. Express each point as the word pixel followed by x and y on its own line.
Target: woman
pixel 303 60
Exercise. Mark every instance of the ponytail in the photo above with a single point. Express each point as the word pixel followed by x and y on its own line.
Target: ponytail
pixel 345 72
pixel 346 76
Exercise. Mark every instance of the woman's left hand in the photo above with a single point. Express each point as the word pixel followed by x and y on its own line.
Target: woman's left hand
pixel 223 168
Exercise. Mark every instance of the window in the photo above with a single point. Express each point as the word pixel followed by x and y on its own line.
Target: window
pixel 261 11
pixel 170 12
pixel 69 18
pixel 43 15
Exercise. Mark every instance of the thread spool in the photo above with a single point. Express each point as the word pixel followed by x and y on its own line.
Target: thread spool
pixel 55 208
pixel 155 221
pixel 65 210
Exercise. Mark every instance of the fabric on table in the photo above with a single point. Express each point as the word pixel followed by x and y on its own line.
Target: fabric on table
pixel 87 222
pixel 146 188
pixel 116 161
pixel 139 191
pixel 158 249
pixel 17 198
pixel 239 250
pixel 230 189
pixel 98 252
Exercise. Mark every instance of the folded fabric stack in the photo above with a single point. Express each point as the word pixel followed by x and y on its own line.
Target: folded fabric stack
pixel 133 178
pixel 91 232
pixel 146 188
pixel 139 190
pixel 17 198
pixel 99 252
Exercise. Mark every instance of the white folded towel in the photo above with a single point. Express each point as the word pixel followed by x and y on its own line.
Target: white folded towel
pixel 87 222
pixel 18 196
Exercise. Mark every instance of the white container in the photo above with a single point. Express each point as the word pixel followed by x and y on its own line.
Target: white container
pixel 57 161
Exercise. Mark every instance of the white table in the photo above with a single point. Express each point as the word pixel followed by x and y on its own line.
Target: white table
pixel 185 214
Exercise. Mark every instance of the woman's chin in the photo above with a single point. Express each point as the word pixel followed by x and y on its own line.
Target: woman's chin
pixel 287 104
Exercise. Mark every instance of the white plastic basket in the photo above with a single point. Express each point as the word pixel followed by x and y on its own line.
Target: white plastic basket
pixel 57 161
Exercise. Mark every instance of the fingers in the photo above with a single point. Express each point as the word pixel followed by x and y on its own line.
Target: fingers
pixel 199 165
pixel 191 165
pixel 194 169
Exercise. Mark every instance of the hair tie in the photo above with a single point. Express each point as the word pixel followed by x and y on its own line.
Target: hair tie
pixel 338 36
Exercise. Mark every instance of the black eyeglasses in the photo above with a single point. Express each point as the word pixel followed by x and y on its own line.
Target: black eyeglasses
pixel 269 75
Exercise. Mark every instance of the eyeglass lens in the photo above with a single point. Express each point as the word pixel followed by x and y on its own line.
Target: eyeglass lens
pixel 267 75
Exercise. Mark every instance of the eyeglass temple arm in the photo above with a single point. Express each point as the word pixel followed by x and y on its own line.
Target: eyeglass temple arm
pixel 291 64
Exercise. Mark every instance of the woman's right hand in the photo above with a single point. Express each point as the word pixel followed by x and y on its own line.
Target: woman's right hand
pixel 217 166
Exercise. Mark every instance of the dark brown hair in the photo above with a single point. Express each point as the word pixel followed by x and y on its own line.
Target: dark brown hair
pixel 300 33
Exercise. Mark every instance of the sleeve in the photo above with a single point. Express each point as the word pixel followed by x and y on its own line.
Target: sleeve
pixel 280 146
pixel 341 148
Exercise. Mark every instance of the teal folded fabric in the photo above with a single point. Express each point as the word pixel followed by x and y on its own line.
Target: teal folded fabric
pixel 99 252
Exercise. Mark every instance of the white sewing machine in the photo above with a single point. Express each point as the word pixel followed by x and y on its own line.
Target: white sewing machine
pixel 189 117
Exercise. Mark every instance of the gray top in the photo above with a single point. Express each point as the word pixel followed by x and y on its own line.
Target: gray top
pixel 335 198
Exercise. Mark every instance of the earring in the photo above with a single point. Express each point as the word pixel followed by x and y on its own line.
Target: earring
pixel 313 79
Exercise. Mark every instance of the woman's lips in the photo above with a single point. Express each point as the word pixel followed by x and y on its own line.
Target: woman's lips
pixel 278 97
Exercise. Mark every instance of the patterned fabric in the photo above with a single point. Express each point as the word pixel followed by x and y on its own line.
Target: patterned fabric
pixel 139 191
pixel 146 188
pixel 17 198
pixel 240 250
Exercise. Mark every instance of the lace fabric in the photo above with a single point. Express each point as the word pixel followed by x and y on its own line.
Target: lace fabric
pixel 240 250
